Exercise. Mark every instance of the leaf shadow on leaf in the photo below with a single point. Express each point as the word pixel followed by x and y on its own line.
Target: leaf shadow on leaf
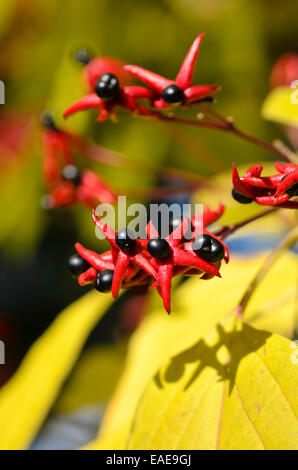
pixel 224 356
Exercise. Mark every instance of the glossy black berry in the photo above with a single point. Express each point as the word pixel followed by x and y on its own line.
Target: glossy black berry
pixel 47 120
pixel 126 240
pixel 208 248
pixel 104 281
pixel 241 198
pixel 107 86
pixel 293 190
pixel 173 94
pixel 176 221
pixel 77 265
pixel 82 55
pixel 72 174
pixel 158 248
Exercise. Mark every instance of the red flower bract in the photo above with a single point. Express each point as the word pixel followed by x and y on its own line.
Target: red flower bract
pixel 123 95
pixel 275 190
pixel 86 187
pixel 90 191
pixel 137 266
pixel 178 91
pixel 100 65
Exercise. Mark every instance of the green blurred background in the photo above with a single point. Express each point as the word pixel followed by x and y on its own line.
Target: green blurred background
pixel 37 37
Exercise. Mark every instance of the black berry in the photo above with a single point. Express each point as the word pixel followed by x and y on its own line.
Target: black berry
pixel 47 120
pixel 208 248
pixel 72 174
pixel 77 265
pixel 126 240
pixel 107 86
pixel 104 281
pixel 82 55
pixel 173 94
pixel 241 198
pixel 158 248
pixel 293 190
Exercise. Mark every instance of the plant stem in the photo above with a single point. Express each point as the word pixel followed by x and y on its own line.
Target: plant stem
pixel 263 144
pixel 286 243
pixel 225 232
pixel 223 124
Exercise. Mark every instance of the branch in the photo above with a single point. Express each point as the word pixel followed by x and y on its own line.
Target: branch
pixel 226 231
pixel 220 123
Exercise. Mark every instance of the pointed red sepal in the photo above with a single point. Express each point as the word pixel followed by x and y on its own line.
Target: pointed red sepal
pixel 50 170
pixel 285 168
pixel 165 273
pixel 63 195
pixel 282 201
pixel 255 170
pixel 93 190
pixel 185 75
pixel 100 65
pixel 138 92
pixel 207 277
pixel 265 182
pixel 240 186
pixel 87 102
pixel 187 258
pixel 87 277
pixel 271 200
pixel 95 260
pixel 210 216
pixel 196 93
pixel 119 273
pixel 160 104
pixel 105 229
pixel 105 111
pixel 144 264
pixel 107 256
pixel 140 279
pixel 289 180
pixel 56 150
pixel 157 82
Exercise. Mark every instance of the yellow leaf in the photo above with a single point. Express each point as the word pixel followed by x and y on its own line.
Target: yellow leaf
pixel 26 400
pixel 236 389
pixel 197 307
pixel 93 379
pixel 281 106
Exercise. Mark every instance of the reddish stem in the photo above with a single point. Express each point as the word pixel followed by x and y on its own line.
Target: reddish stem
pixel 225 232
pixel 227 125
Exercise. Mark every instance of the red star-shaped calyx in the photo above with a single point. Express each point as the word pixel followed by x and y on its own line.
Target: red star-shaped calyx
pixel 126 250
pixel 275 190
pixel 99 65
pixel 66 183
pixel 108 89
pixel 133 261
pixel 57 150
pixel 84 187
pixel 179 91
pixel 289 182
pixel 179 256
